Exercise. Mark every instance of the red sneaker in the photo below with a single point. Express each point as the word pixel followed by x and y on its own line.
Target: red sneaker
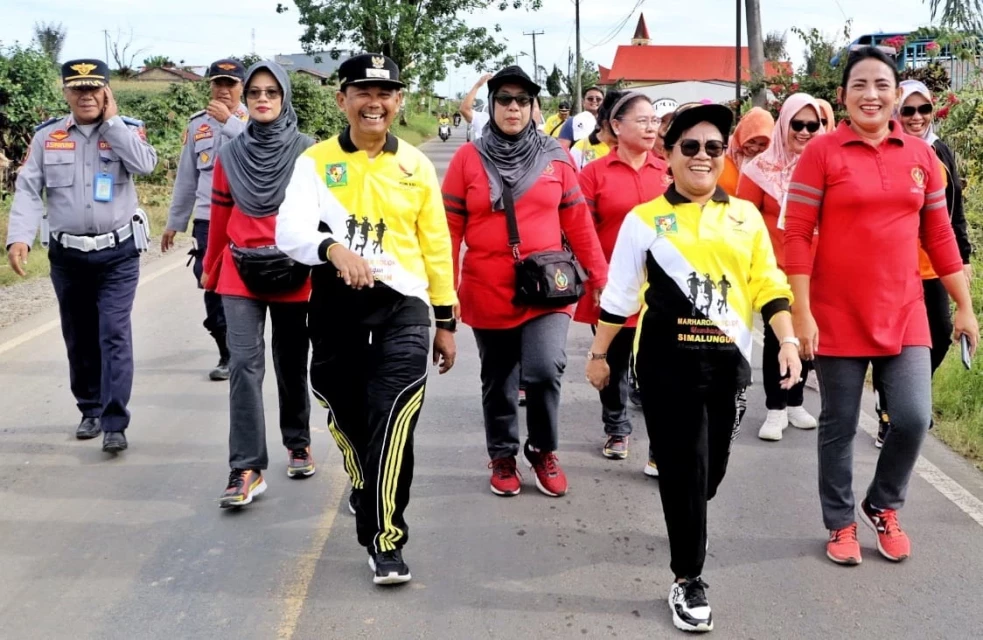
pixel 892 541
pixel 550 478
pixel 505 477
pixel 843 547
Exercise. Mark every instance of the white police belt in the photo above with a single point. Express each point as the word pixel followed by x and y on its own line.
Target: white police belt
pixel 95 243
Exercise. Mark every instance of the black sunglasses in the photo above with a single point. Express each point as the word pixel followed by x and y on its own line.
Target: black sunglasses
pixel 798 125
pixel 714 148
pixel 825 122
pixel 505 99
pixel 923 109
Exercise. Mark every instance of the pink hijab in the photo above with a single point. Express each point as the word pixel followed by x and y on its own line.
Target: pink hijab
pixel 772 168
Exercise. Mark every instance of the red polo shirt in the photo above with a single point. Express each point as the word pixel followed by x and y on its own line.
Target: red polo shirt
pixel 613 188
pixel 872 205
pixel 552 208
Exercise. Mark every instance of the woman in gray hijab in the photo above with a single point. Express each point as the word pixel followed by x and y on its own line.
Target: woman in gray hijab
pixel 243 264
pixel 514 166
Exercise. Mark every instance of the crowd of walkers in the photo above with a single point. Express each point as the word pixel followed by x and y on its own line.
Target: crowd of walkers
pixel 665 229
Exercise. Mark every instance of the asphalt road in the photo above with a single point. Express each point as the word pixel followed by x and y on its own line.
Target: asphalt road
pixel 135 546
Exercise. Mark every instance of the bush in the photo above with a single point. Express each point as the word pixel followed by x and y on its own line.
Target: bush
pixel 28 96
pixel 318 114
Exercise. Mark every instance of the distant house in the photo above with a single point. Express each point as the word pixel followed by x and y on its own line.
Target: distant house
pixel 162 74
pixel 683 73
pixel 320 66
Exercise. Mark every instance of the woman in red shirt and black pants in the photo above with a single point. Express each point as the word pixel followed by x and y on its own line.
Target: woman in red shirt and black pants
pixel 874 192
pixel 614 185
pixel 252 275
pixel 513 156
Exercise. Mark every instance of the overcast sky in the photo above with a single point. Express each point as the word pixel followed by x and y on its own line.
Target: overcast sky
pixel 199 32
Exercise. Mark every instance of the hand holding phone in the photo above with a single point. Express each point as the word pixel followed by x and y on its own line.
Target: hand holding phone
pixel 964 349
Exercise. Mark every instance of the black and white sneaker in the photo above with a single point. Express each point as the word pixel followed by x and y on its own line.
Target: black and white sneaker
pixel 351 502
pixel 389 567
pixel 689 606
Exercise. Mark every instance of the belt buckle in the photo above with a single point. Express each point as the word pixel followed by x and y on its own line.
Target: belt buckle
pixel 88 244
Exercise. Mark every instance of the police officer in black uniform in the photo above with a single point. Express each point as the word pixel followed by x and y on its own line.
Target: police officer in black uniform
pixel 83 164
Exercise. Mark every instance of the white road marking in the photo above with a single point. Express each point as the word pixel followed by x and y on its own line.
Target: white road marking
pixel 952 490
pixel 27 336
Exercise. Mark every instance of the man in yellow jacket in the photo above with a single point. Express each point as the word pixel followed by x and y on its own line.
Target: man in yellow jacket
pixel 364 208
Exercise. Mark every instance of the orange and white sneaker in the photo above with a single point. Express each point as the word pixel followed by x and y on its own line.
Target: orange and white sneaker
pixel 843 547
pixel 244 485
pixel 300 463
pixel 892 541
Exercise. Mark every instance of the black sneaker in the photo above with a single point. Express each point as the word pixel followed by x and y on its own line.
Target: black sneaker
pixel 389 567
pixel 221 370
pixel 689 606
pixel 351 502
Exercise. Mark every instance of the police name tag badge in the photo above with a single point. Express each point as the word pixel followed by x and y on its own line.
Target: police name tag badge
pixel 666 225
pixel 103 188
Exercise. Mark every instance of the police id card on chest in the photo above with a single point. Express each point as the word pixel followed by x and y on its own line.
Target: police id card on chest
pixel 103 188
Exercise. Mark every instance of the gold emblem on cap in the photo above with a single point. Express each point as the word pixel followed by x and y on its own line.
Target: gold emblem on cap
pixel 83 68
pixel 378 62
pixel 225 66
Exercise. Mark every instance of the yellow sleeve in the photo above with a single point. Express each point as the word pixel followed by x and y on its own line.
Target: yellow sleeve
pixel 767 282
pixel 435 245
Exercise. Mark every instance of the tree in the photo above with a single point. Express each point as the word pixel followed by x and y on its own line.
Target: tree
pixel 774 46
pixel 589 76
pixel 122 54
pixel 421 36
pixel 554 82
pixel 756 45
pixel 158 61
pixel 247 60
pixel 964 14
pixel 51 38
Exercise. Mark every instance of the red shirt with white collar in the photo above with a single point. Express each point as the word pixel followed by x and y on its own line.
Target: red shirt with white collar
pixel 613 188
pixel 872 205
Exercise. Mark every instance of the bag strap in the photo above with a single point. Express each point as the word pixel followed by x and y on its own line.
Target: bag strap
pixel 508 201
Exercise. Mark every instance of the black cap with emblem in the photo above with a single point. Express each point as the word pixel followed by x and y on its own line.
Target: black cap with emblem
pixel 85 73
pixel 227 68
pixel 369 68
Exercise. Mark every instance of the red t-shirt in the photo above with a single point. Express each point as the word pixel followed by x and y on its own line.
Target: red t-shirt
pixel 230 224
pixel 872 205
pixel 486 279
pixel 613 188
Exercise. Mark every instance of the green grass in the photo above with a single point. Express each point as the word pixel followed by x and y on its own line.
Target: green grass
pixel 958 399
pixel 154 199
pixel 419 128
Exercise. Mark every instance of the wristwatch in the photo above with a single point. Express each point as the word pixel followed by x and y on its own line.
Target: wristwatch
pixel 791 340
pixel 596 356
pixel 447 325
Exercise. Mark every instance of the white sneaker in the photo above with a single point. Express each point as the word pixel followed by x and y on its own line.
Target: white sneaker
pixel 689 606
pixel 775 423
pixel 799 418
pixel 651 469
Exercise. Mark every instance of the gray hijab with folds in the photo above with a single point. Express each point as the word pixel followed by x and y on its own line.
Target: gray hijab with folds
pixel 260 160
pixel 518 160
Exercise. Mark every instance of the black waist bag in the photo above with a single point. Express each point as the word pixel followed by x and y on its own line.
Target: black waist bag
pixel 550 279
pixel 267 270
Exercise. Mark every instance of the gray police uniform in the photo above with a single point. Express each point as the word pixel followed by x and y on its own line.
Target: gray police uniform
pixel 94 229
pixel 193 191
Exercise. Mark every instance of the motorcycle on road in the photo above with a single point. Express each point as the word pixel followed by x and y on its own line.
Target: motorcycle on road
pixel 444 132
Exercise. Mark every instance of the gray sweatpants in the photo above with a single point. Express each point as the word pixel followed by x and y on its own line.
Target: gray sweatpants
pixel 539 346
pixel 907 381
pixel 246 319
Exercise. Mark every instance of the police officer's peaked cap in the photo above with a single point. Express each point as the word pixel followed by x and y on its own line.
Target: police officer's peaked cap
pixel 369 68
pixel 564 106
pixel 227 68
pixel 85 73
pixel 513 75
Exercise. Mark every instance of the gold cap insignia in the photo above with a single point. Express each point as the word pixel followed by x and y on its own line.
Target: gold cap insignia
pixel 378 62
pixel 83 69
pixel 225 66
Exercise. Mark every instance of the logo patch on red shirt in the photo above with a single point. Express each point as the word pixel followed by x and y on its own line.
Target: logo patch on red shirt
pixel 918 176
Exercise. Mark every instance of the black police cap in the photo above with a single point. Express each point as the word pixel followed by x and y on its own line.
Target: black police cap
pixel 227 68
pixel 87 72
pixel 369 68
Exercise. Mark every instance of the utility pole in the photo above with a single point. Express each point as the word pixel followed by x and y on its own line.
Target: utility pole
pixel 737 55
pixel 254 41
pixel 105 42
pixel 580 63
pixel 535 60
pixel 756 47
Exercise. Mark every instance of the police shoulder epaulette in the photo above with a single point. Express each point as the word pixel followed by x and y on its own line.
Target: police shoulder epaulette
pixel 48 122
pixel 133 122
pixel 198 114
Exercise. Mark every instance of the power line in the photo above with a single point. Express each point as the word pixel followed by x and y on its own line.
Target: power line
pixel 535 60
pixel 617 30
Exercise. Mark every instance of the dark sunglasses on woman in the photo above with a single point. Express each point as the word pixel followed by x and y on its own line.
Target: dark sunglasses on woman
pixel 923 109
pixel 714 148
pixel 811 126
pixel 505 99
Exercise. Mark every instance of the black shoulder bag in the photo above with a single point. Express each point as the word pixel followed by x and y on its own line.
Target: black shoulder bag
pixel 267 270
pixel 551 279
